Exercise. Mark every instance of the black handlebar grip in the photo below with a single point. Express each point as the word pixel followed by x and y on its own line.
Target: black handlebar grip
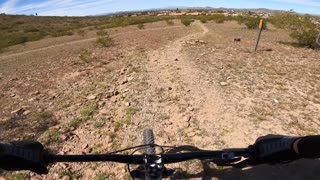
pixel 309 147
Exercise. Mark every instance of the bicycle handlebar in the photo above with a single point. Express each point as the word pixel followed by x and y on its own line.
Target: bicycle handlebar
pixel 140 159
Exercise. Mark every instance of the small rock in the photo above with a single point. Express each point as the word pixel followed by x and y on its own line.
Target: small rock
pixel 127 104
pixel 116 93
pixel 169 88
pixel 103 112
pixel 26 112
pixel 176 59
pixel 12 95
pixel 66 178
pixel 18 111
pixel 64 165
pixel 101 103
pixel 114 99
pixel 130 79
pixel 63 137
pixel 91 97
pixel 123 70
pixel 123 81
pixel 33 99
pixel 88 150
pixel 276 101
pixel 85 146
pixel 126 90
pixel 191 134
pixel 34 93
pixel 187 118
pixel 223 83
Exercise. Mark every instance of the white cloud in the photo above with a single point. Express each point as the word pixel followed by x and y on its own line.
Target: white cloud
pixel 80 9
pixel 42 5
pixel 61 7
pixel 8 6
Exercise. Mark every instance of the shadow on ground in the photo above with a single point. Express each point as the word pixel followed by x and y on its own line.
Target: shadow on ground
pixel 302 169
pixel 26 127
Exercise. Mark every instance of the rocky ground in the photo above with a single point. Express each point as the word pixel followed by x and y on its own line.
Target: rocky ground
pixel 192 85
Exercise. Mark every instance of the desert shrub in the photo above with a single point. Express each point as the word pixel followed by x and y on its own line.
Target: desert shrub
pixel 307 37
pixel 141 26
pixel 203 20
pixel 81 33
pixel 170 22
pixel 287 20
pixel 85 56
pixel 252 23
pixel 186 22
pixel 301 28
pixel 105 41
pixel 31 29
pixel 61 32
pixel 102 33
pixel 219 21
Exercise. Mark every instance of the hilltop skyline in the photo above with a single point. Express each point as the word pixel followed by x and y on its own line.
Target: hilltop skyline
pixel 89 7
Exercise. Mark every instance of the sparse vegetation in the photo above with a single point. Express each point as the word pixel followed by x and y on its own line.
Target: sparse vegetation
pixel 251 22
pixel 170 22
pixel 99 123
pixel 102 176
pixel 85 56
pixel 71 174
pixel 303 30
pixel 186 22
pixel 130 111
pixel 81 33
pixel 105 41
pixel 140 26
pixel 16 177
pixel 87 111
pixel 306 37
pixel 120 123
pixel 102 33
pixel 204 20
pixel 75 123
pixel 50 137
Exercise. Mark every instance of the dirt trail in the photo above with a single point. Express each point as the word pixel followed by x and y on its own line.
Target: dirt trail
pixel 197 112
pixel 169 69
pixel 80 41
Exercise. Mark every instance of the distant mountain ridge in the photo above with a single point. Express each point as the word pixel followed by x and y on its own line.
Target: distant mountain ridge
pixel 208 8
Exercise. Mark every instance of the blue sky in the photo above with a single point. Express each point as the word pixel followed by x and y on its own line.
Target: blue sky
pixel 94 7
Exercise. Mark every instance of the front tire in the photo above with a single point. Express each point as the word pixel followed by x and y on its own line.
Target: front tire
pixel 148 138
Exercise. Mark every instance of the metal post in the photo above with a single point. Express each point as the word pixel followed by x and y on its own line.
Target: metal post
pixel 259 35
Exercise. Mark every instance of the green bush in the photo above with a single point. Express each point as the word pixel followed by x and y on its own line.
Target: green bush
pixel 81 33
pixel 253 23
pixel 85 56
pixel 219 21
pixel 306 37
pixel 170 22
pixel 141 26
pixel 31 29
pixel 204 20
pixel 186 22
pixel 105 41
pixel 102 33
pixel 287 21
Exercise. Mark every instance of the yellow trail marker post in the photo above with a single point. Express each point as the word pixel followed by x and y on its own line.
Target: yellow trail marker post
pixel 259 35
